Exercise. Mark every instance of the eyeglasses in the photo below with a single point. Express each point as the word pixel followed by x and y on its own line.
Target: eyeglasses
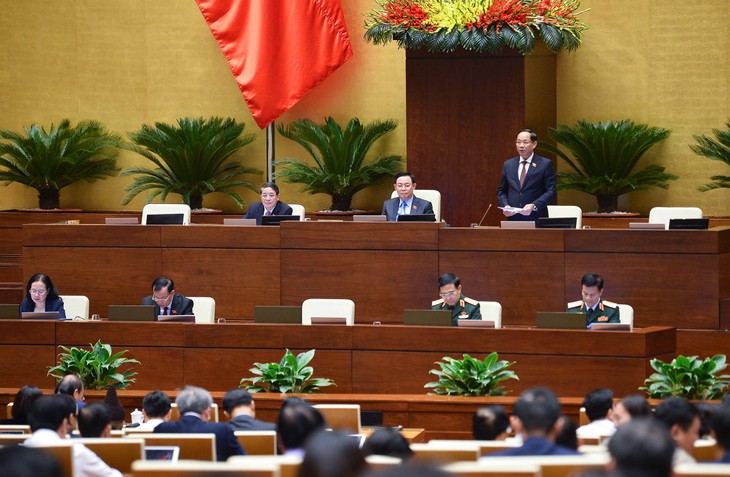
pixel 268 196
pixel 38 292
pixel 523 143
pixel 161 300
pixel 403 186
pixel 447 294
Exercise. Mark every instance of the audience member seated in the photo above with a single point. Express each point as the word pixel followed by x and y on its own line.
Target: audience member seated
pixel 51 420
pixel 194 405
pixel 641 448
pixel 41 295
pixel 22 403
pixel 597 309
pixel 240 408
pixel 682 419
pixel 166 300
pixel 567 435
pixel 269 205
pixel 332 454
pixel 95 420
pixel 490 423
pixel 599 409
pixel 21 461
pixel 535 417
pixel 116 410
pixel 406 203
pixel 388 441
pixel 156 409
pixel 461 307
pixel 71 385
pixel 630 407
pixel 721 428
pixel 296 422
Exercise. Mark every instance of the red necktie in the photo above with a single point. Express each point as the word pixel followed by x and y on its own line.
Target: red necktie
pixel 523 174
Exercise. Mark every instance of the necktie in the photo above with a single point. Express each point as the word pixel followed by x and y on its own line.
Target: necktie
pixel 403 209
pixel 268 212
pixel 164 311
pixel 523 174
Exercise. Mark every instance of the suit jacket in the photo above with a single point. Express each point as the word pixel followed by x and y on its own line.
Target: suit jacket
pixel 538 189
pixel 418 206
pixel 181 305
pixel 256 211
pixel 535 446
pixel 604 312
pixel 244 422
pixel 226 443
pixel 51 305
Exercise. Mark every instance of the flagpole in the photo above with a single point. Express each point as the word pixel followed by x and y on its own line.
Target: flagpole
pixel 270 156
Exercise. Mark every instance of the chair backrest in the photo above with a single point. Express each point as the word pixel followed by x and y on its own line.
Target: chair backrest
pixel 569 211
pixel 626 314
pixel 298 210
pixel 192 468
pixel 341 417
pixel 491 311
pixel 203 309
pixel 11 439
pixel 14 428
pixel 118 453
pixel 485 447
pixel 64 453
pixel 163 209
pixel 9 410
pixel 192 446
pixel 380 462
pixel 430 195
pixel 701 470
pixel 662 215
pixel 444 454
pixel 288 464
pixel 476 469
pixel 175 415
pixel 553 466
pixel 76 306
pixel 257 442
pixel 328 308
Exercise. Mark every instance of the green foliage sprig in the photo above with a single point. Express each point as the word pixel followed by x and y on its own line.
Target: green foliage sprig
pixel 688 377
pixel 291 375
pixel 471 377
pixel 717 150
pixel 98 368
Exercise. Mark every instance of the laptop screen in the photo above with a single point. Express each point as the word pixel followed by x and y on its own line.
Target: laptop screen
pixel 417 218
pixel 556 222
pixel 9 311
pixel 41 315
pixel 170 453
pixel 277 219
pixel 165 219
pixel 691 224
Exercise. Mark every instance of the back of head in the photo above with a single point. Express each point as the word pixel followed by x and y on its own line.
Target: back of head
pixel 597 403
pixel 676 410
pixel 23 402
pixel 93 419
pixel 69 384
pixel 489 422
pixel 388 442
pixel 642 448
pixel 114 405
pixel 720 423
pixel 297 421
pixel 21 461
pixel 636 405
pixel 235 398
pixel 48 412
pixel 538 409
pixel 193 399
pixel 332 454
pixel 567 436
pixel 156 404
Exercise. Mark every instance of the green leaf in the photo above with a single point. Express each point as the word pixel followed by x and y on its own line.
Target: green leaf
pixel 98 368
pixel 470 376
pixel 291 374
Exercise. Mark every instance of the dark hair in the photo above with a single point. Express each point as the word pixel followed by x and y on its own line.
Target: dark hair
pixel 163 282
pixel 642 448
pixel 538 409
pixel 404 174
pixel 597 403
pixel 297 421
pixel 636 405
pixel 567 436
pixel 707 411
pixel 23 402
pixel 156 404
pixel 270 185
pixel 93 419
pixel 448 279
pixel 592 280
pixel 533 134
pixel 675 410
pixel 236 397
pixel 48 412
pixel 69 384
pixel 46 280
pixel 489 422
pixel 720 423
pixel 332 454
pixel 22 461
pixel 387 441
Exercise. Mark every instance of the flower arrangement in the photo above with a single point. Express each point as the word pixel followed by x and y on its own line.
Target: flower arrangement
pixel 478 25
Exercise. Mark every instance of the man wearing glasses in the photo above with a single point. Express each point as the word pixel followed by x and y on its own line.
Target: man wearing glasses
pixel 462 308
pixel 269 205
pixel 166 301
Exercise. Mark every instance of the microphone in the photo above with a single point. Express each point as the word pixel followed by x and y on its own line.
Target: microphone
pixel 485 214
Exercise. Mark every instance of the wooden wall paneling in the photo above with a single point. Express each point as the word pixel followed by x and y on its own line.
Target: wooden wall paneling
pixel 26 364
pixel 220 237
pixel 359 236
pixel 702 343
pixel 263 336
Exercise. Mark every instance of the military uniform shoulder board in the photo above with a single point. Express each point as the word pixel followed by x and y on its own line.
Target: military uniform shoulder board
pixel 440 301
pixel 574 304
pixel 471 301
pixel 610 304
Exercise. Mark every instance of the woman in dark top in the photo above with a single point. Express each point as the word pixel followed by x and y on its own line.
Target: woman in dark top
pixel 41 295
pixel 21 406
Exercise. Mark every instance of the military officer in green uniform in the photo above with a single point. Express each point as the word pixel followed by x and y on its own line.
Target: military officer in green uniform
pixel 597 309
pixel 462 308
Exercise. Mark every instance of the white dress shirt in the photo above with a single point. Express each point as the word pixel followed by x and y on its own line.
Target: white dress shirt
pixel 86 463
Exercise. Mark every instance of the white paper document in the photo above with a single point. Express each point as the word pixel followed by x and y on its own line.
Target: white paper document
pixel 516 210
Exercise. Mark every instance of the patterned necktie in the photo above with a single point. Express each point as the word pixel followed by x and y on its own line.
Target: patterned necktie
pixel 268 212
pixel 523 174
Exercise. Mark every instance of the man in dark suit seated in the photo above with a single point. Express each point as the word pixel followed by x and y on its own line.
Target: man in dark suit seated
pixel 241 410
pixel 535 417
pixel 528 181
pixel 166 300
pixel 406 203
pixel 269 205
pixel 194 405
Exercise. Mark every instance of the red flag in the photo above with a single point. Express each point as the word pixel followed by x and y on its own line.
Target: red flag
pixel 278 50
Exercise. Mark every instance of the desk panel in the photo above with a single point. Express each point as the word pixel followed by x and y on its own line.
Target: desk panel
pixel 360 235
pixel 218 236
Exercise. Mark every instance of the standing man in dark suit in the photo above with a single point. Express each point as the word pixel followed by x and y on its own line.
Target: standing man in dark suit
pixel 166 301
pixel 241 410
pixel 269 205
pixel 406 203
pixel 528 181
pixel 194 405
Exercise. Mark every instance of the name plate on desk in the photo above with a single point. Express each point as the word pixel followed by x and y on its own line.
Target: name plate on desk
pixel 329 320
pixel 476 323
pixel 610 327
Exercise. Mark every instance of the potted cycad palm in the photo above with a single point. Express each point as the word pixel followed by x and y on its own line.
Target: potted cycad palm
pixel 340 168
pixel 50 160
pixel 193 158
pixel 604 156
pixel 717 150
